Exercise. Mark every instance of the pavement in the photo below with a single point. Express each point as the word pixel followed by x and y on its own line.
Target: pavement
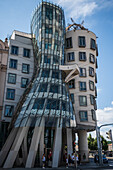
pixel 90 166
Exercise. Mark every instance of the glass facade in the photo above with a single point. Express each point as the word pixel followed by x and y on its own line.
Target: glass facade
pixel 49 97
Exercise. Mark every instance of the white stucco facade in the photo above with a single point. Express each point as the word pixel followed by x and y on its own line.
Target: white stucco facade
pixel 21 41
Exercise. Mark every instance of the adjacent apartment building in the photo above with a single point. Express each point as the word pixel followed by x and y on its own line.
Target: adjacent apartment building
pixel 20 66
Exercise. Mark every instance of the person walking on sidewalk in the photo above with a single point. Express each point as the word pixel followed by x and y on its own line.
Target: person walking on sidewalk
pixel 66 162
pixel 43 160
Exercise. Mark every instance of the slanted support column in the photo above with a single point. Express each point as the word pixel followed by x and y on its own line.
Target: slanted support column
pixel 15 147
pixel 41 145
pixel 34 145
pixel 83 146
pixel 24 149
pixel 69 141
pixel 57 146
pixel 7 145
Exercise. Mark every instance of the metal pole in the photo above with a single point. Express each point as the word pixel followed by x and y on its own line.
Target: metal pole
pixel 99 144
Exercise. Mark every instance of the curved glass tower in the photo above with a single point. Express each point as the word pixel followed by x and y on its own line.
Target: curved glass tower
pixel 48 97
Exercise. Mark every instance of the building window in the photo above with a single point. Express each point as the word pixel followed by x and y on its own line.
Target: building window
pixel 91 72
pixel 38 104
pixel 55 74
pixel 93 114
pixel 82 86
pixel 54 88
pixel 93 44
pixel 48 30
pixel 25 68
pixel 43 87
pixel 72 97
pixel 82 72
pixel 91 58
pixel 9 109
pixel 47 46
pixel 11 78
pixel 69 42
pixel 91 85
pixel 45 73
pixel 82 42
pixel 10 94
pixel 82 56
pixel 49 13
pixel 83 100
pixel 83 116
pixel 26 53
pixel 70 56
pixel 47 59
pixel 92 99
pixel 53 104
pixel 14 50
pixel 71 84
pixel 13 63
pixel 24 82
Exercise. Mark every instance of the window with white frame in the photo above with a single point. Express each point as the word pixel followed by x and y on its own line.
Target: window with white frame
pixel 9 109
pixel 70 56
pixel 14 50
pixel 83 116
pixel 11 78
pixel 92 99
pixel 82 72
pixel 10 94
pixel 81 41
pixel 82 86
pixel 91 58
pixel 93 114
pixel 83 100
pixel 26 53
pixel 93 44
pixel 24 82
pixel 25 68
pixel 91 85
pixel 91 72
pixel 82 56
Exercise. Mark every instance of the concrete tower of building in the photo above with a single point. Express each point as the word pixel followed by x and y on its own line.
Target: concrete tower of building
pixel 47 113
pixel 81 48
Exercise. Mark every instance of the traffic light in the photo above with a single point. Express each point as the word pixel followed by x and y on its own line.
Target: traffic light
pixel 74 145
pixel 109 134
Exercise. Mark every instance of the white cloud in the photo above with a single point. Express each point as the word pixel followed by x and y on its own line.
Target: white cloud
pixel 112 102
pixel 104 116
pixel 78 8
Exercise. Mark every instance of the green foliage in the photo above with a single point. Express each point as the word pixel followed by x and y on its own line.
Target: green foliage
pixel 92 143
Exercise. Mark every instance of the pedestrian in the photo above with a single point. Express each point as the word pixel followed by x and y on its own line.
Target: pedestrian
pixel 69 161
pixel 66 162
pixel 73 159
pixel 43 160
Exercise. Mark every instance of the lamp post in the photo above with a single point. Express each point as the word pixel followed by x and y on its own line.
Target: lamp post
pixel 99 144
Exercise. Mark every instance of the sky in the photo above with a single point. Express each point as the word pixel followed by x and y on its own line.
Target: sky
pixel 97 16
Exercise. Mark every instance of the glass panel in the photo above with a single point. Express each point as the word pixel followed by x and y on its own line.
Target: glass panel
pixel 39 103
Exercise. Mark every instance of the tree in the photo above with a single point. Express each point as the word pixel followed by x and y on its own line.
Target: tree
pixel 92 143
